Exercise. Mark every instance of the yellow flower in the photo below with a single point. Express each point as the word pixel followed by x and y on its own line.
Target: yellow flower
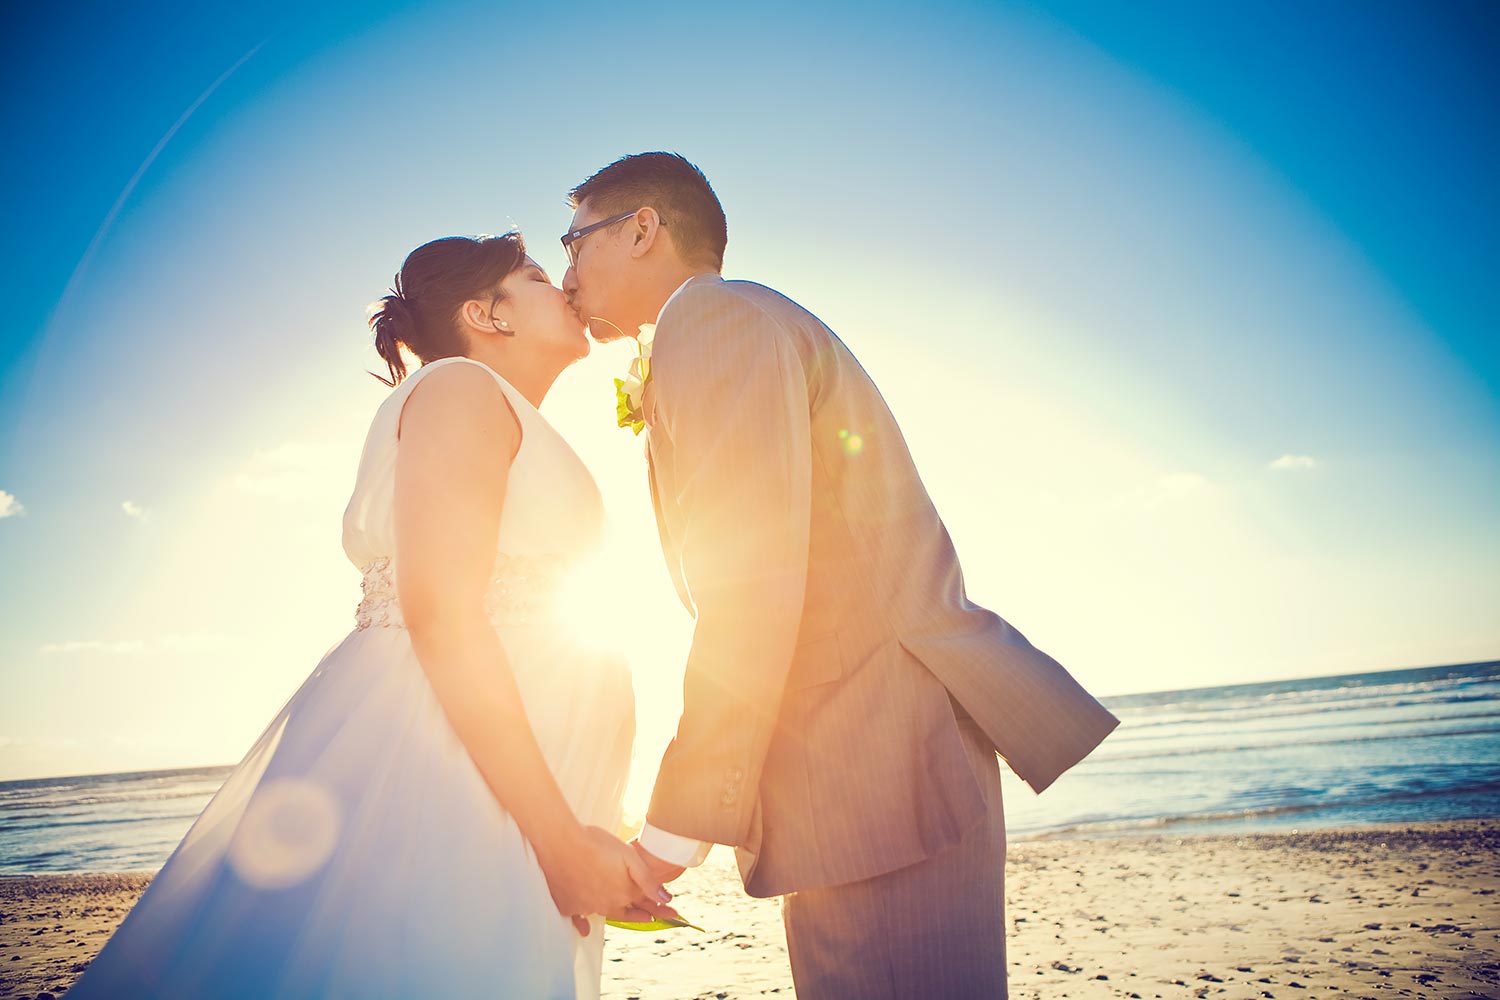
pixel 630 391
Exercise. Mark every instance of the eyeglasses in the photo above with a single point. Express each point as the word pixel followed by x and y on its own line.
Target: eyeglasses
pixel 569 239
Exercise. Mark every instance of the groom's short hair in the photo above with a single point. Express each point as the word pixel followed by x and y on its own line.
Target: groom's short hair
pixel 678 191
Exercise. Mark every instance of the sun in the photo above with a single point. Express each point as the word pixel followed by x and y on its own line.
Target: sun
pixel 593 605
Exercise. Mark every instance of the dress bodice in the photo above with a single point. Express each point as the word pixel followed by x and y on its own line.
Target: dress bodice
pixel 553 515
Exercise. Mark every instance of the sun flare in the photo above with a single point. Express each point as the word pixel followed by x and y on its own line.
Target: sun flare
pixel 595 605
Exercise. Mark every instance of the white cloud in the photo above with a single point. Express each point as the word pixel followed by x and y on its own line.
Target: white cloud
pixel 121 648
pixel 289 471
pixel 1170 488
pixel 1286 462
pixel 176 642
pixel 193 640
pixel 133 509
pixel 9 505
pixel 1179 484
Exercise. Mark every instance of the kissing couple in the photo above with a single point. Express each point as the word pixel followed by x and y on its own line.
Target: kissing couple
pixel 434 811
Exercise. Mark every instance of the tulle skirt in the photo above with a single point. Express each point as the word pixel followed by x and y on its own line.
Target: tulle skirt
pixel 357 852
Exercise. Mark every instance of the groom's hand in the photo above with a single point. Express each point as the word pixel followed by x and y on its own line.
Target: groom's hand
pixel 662 871
pixel 599 873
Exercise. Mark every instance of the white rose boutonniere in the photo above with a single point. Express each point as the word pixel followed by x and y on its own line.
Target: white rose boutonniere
pixel 630 391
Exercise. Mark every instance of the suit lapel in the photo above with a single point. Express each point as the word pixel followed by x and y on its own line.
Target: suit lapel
pixel 664 518
pixel 659 469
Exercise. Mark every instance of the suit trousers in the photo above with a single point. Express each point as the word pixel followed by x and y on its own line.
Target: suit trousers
pixel 934 930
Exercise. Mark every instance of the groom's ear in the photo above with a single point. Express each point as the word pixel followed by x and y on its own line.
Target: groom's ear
pixel 646 232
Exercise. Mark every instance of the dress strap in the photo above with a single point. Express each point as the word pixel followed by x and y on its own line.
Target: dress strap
pixel 518 402
pixel 519 405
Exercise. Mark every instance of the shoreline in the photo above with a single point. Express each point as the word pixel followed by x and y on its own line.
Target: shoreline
pixel 1384 909
pixel 1127 835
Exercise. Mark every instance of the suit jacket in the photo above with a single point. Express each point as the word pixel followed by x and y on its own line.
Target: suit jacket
pixel 833 639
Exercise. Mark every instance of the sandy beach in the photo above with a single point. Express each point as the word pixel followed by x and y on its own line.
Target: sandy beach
pixel 1390 910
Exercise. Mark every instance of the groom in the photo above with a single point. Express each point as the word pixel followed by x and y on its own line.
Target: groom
pixel 844 700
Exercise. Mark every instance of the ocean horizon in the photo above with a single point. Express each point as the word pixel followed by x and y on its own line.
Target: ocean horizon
pixel 1397 745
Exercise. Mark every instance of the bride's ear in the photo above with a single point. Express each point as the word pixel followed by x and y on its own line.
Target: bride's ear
pixel 479 317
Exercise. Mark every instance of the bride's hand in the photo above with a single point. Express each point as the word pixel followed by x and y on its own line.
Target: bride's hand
pixel 599 873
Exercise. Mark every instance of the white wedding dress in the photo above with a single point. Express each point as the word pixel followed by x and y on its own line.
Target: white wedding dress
pixel 356 851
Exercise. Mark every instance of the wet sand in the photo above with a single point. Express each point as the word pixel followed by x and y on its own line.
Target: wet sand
pixel 1390 910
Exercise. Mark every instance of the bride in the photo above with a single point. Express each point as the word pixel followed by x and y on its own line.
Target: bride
pixel 430 813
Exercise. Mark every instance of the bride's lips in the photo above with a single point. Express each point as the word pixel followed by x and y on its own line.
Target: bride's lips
pixel 586 320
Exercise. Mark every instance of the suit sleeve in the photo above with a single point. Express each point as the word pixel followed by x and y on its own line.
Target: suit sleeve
pixel 732 399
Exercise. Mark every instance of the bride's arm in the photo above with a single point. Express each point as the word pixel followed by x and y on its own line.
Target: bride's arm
pixel 458 436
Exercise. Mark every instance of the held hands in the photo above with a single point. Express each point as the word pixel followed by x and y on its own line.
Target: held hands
pixel 599 873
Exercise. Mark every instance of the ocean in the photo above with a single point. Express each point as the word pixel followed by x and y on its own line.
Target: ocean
pixel 1386 746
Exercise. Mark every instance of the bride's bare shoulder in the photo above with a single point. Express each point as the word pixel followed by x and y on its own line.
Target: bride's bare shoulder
pixel 458 401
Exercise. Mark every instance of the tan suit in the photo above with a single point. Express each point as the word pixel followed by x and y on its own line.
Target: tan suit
pixel 834 645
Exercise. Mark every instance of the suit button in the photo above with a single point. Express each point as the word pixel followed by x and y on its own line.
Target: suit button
pixel 729 797
pixel 736 775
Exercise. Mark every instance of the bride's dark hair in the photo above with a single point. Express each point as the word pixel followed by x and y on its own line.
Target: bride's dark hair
pixel 437 278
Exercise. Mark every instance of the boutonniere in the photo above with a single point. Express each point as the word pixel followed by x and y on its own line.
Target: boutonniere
pixel 630 391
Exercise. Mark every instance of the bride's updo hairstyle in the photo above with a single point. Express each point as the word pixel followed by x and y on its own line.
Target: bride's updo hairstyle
pixel 437 278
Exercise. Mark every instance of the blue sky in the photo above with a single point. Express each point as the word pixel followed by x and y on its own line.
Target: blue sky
pixel 1187 311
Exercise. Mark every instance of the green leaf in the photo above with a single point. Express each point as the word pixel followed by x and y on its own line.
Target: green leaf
pixel 664 924
pixel 626 414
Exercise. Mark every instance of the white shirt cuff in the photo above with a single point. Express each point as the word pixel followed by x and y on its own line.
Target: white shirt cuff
pixel 683 851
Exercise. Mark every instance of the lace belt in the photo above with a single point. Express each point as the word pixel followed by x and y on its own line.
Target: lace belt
pixel 523 590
